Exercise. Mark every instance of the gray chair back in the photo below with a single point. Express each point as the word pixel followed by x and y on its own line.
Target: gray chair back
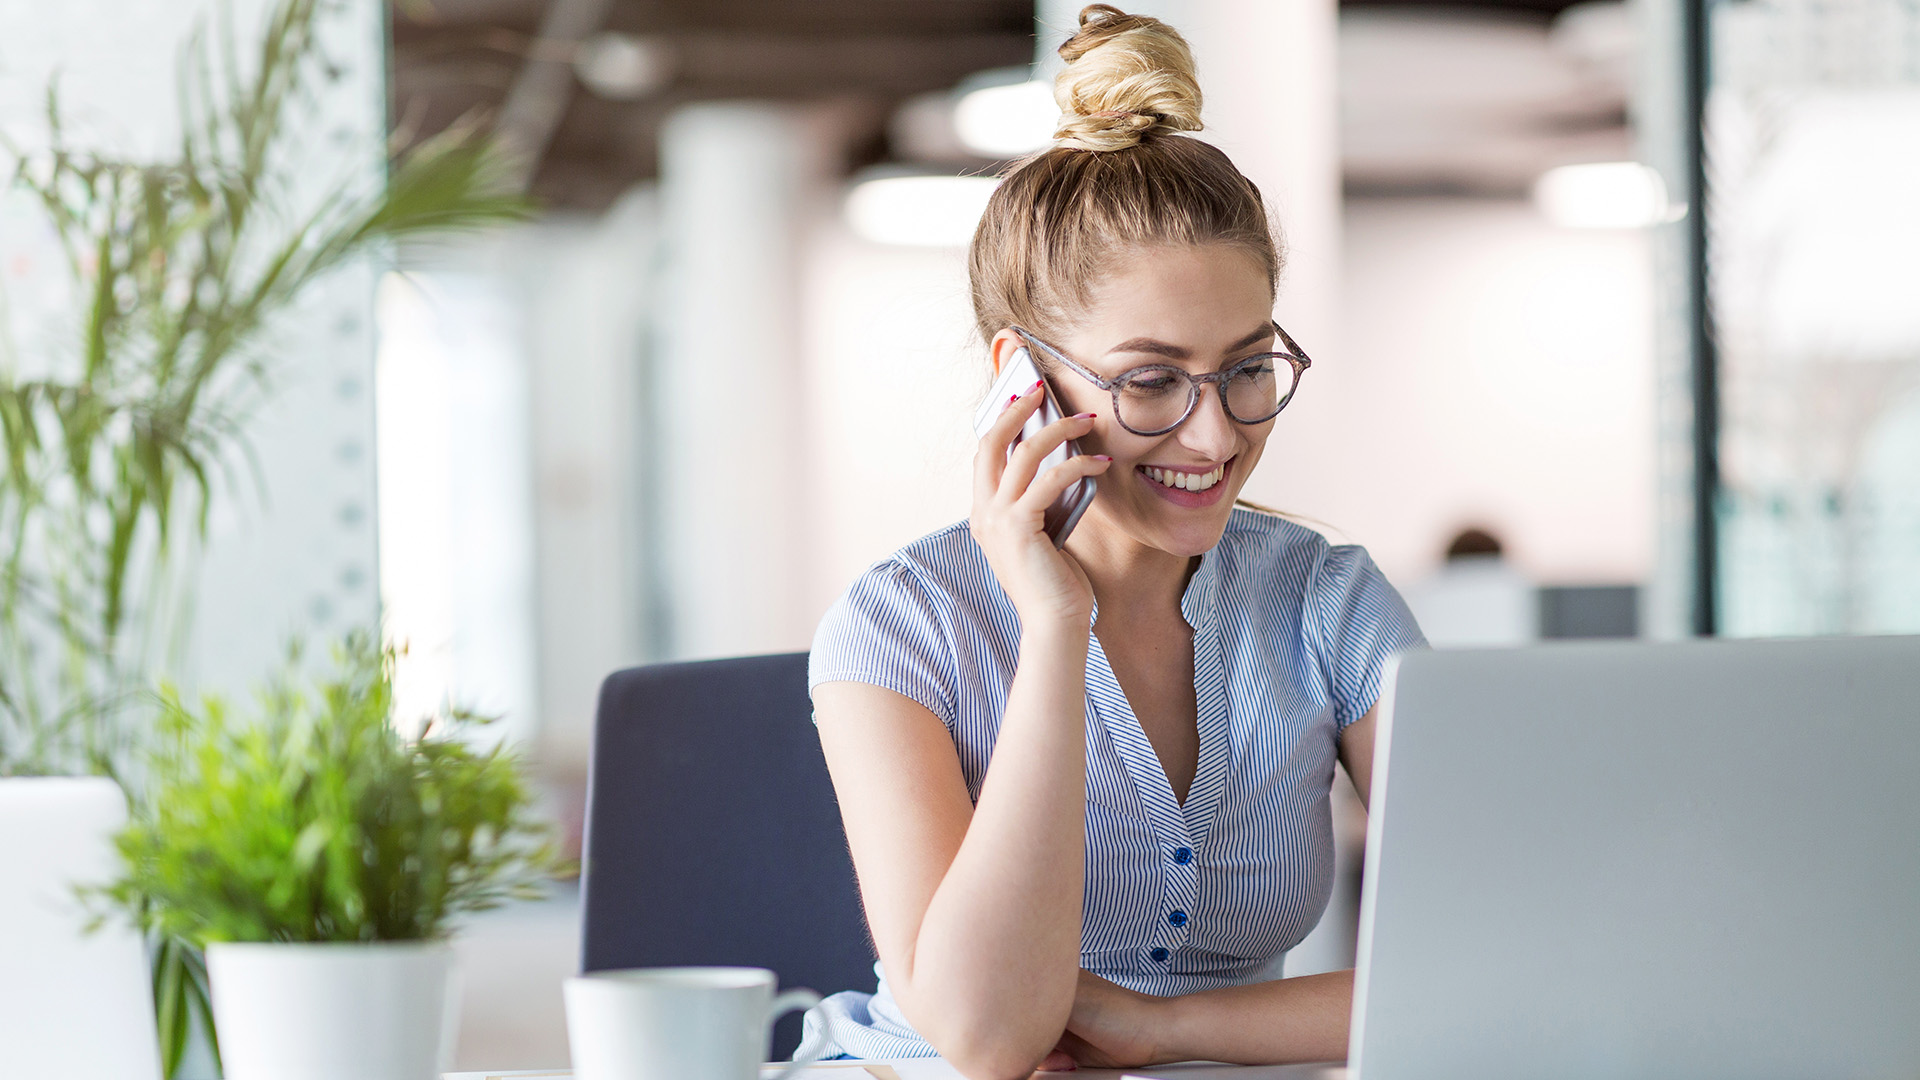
pixel 712 832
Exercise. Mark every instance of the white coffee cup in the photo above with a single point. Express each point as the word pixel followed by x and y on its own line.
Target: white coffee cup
pixel 685 1023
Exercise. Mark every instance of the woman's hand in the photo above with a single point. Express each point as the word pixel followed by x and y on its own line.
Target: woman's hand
pixel 1009 512
pixel 1111 1028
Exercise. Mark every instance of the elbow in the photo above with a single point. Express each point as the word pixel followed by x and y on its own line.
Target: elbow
pixel 997 1050
pixel 986 1027
pixel 994 1059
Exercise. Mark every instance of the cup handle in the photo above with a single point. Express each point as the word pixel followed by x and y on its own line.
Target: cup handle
pixel 786 1003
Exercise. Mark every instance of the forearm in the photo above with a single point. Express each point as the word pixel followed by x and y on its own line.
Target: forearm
pixel 1300 1019
pixel 996 958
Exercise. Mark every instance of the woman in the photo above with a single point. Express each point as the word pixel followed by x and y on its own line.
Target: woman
pixel 1086 789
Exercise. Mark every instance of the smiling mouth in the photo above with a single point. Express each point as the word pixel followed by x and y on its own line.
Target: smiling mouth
pixel 1182 481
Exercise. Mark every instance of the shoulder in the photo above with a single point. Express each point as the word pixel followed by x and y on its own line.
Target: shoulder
pixel 1248 527
pixel 1350 616
pixel 944 570
pixel 1287 564
pixel 946 560
pixel 897 623
pixel 926 572
pixel 1264 550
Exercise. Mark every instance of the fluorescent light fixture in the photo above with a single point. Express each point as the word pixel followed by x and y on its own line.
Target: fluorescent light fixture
pixel 1610 195
pixel 927 211
pixel 1008 120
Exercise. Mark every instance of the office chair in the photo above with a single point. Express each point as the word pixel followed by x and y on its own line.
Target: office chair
pixel 713 835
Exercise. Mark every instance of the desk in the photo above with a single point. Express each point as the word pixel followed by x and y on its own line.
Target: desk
pixel 891 1069
pixel 937 1069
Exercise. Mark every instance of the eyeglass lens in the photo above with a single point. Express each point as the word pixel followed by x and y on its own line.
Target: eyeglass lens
pixel 1158 398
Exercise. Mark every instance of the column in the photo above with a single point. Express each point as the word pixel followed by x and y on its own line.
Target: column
pixel 726 446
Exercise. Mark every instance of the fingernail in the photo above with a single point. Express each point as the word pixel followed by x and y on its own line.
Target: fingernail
pixel 1085 415
pixel 1102 457
pixel 1013 399
pixel 1035 386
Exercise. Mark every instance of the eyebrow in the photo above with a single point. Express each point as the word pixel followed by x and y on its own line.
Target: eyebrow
pixel 1177 352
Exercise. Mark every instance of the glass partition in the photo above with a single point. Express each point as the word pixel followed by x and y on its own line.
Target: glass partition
pixel 1791 362
pixel 1812 129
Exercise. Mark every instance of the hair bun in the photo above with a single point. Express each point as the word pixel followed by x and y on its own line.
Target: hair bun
pixel 1127 77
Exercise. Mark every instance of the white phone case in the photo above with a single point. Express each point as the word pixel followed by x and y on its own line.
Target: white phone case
pixel 1015 376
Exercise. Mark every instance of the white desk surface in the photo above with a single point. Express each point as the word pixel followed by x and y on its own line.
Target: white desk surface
pixel 932 1069
pixel 892 1069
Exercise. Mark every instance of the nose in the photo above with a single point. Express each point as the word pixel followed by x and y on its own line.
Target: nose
pixel 1208 430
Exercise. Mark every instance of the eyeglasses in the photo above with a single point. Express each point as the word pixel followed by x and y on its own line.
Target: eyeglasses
pixel 1157 398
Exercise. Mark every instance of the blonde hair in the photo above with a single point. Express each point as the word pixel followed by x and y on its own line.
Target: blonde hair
pixel 1119 177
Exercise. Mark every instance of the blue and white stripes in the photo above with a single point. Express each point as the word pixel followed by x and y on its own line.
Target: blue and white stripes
pixel 1290 635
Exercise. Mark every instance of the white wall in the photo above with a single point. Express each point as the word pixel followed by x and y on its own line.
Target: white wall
pixel 513 456
pixel 893 370
pixel 1491 368
pixel 591 285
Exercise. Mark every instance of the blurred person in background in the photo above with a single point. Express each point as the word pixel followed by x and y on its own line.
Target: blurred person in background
pixel 1086 788
pixel 1476 598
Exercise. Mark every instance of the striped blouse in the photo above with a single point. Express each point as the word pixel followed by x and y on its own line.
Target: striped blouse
pixel 1289 638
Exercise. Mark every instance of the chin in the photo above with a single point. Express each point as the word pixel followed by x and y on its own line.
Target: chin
pixel 1194 535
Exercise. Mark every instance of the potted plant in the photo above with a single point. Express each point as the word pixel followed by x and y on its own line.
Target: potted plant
pixel 319 852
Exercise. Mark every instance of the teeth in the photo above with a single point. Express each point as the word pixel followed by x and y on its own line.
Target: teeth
pixel 1185 481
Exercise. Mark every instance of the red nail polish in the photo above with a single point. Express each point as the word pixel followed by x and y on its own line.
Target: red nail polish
pixel 1035 386
pixel 1103 457
pixel 1013 399
pixel 1085 416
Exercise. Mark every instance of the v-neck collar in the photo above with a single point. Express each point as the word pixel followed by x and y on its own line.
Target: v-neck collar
pixel 1181 824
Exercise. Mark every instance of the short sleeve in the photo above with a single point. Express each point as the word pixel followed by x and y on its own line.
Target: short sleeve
pixel 885 630
pixel 1360 621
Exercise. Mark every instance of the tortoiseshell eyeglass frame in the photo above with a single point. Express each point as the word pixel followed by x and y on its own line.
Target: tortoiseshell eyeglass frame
pixel 1294 356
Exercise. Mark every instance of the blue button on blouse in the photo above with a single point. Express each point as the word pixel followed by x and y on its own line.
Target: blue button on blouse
pixel 1289 638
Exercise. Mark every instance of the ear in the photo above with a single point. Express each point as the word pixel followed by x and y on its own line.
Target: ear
pixel 1002 347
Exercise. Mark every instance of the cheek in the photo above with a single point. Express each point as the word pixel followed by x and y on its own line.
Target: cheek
pixel 1256 443
pixel 1127 449
pixel 1101 441
pixel 1079 397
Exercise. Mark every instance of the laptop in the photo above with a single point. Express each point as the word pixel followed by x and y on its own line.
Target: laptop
pixel 73 1005
pixel 1622 860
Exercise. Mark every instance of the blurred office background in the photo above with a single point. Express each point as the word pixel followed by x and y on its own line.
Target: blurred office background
pixel 731 362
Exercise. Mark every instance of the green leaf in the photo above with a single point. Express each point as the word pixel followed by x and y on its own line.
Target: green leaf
pixel 314 819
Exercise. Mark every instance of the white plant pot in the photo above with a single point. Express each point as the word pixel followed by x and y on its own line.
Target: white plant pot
pixel 383 1011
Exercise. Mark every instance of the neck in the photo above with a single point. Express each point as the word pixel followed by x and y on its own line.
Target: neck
pixel 1128 576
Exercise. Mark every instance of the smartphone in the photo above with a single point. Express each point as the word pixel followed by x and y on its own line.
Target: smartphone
pixel 1015 376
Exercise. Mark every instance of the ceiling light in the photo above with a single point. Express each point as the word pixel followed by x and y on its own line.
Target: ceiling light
pixel 1610 195
pixel 1007 121
pixel 930 211
pixel 622 67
